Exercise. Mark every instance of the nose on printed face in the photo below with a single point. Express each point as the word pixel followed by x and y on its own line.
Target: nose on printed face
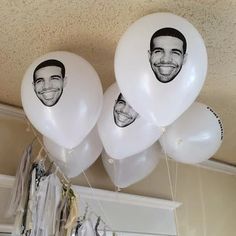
pixel 125 108
pixel 166 57
pixel 47 84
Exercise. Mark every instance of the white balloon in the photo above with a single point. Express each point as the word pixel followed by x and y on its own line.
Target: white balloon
pixel 73 162
pixel 195 136
pixel 122 130
pixel 130 170
pixel 62 109
pixel 162 82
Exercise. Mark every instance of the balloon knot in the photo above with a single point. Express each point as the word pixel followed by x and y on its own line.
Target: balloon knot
pixel 179 141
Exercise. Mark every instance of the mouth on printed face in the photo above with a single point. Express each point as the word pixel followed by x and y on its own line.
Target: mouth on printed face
pixel 48 93
pixel 123 117
pixel 166 69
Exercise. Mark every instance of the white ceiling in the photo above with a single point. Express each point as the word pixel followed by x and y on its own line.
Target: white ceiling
pixel 92 29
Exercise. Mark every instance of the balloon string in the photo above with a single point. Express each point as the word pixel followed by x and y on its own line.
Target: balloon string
pixel 61 172
pixel 62 176
pixel 115 169
pixel 202 202
pixel 171 188
pixel 176 178
pixel 99 203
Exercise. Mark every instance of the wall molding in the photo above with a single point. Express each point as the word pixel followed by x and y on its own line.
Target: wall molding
pixel 6 228
pixel 124 198
pixel 7 181
pixel 11 111
pixel 218 166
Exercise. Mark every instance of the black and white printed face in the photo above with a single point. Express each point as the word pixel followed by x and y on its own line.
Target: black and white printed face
pixel 123 113
pixel 48 84
pixel 166 57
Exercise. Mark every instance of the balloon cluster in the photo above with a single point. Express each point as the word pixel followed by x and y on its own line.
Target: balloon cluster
pixel 160 68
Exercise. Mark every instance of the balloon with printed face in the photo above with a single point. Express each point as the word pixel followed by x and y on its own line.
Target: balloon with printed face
pixel 127 171
pixel 62 97
pixel 195 136
pixel 161 66
pixel 74 161
pixel 122 130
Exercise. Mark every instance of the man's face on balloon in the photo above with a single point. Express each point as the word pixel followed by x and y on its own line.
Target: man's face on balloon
pixel 123 113
pixel 166 57
pixel 48 84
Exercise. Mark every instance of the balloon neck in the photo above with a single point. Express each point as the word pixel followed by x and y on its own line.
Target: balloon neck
pixel 118 189
pixel 111 161
pixel 179 141
pixel 163 129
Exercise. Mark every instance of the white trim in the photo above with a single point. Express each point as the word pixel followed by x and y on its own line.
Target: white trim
pixel 6 228
pixel 109 196
pixel 6 181
pixel 124 198
pixel 218 166
pixel 213 165
pixel 11 111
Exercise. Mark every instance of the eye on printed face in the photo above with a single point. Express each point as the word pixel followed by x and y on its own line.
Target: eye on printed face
pixel 48 84
pixel 123 113
pixel 166 57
